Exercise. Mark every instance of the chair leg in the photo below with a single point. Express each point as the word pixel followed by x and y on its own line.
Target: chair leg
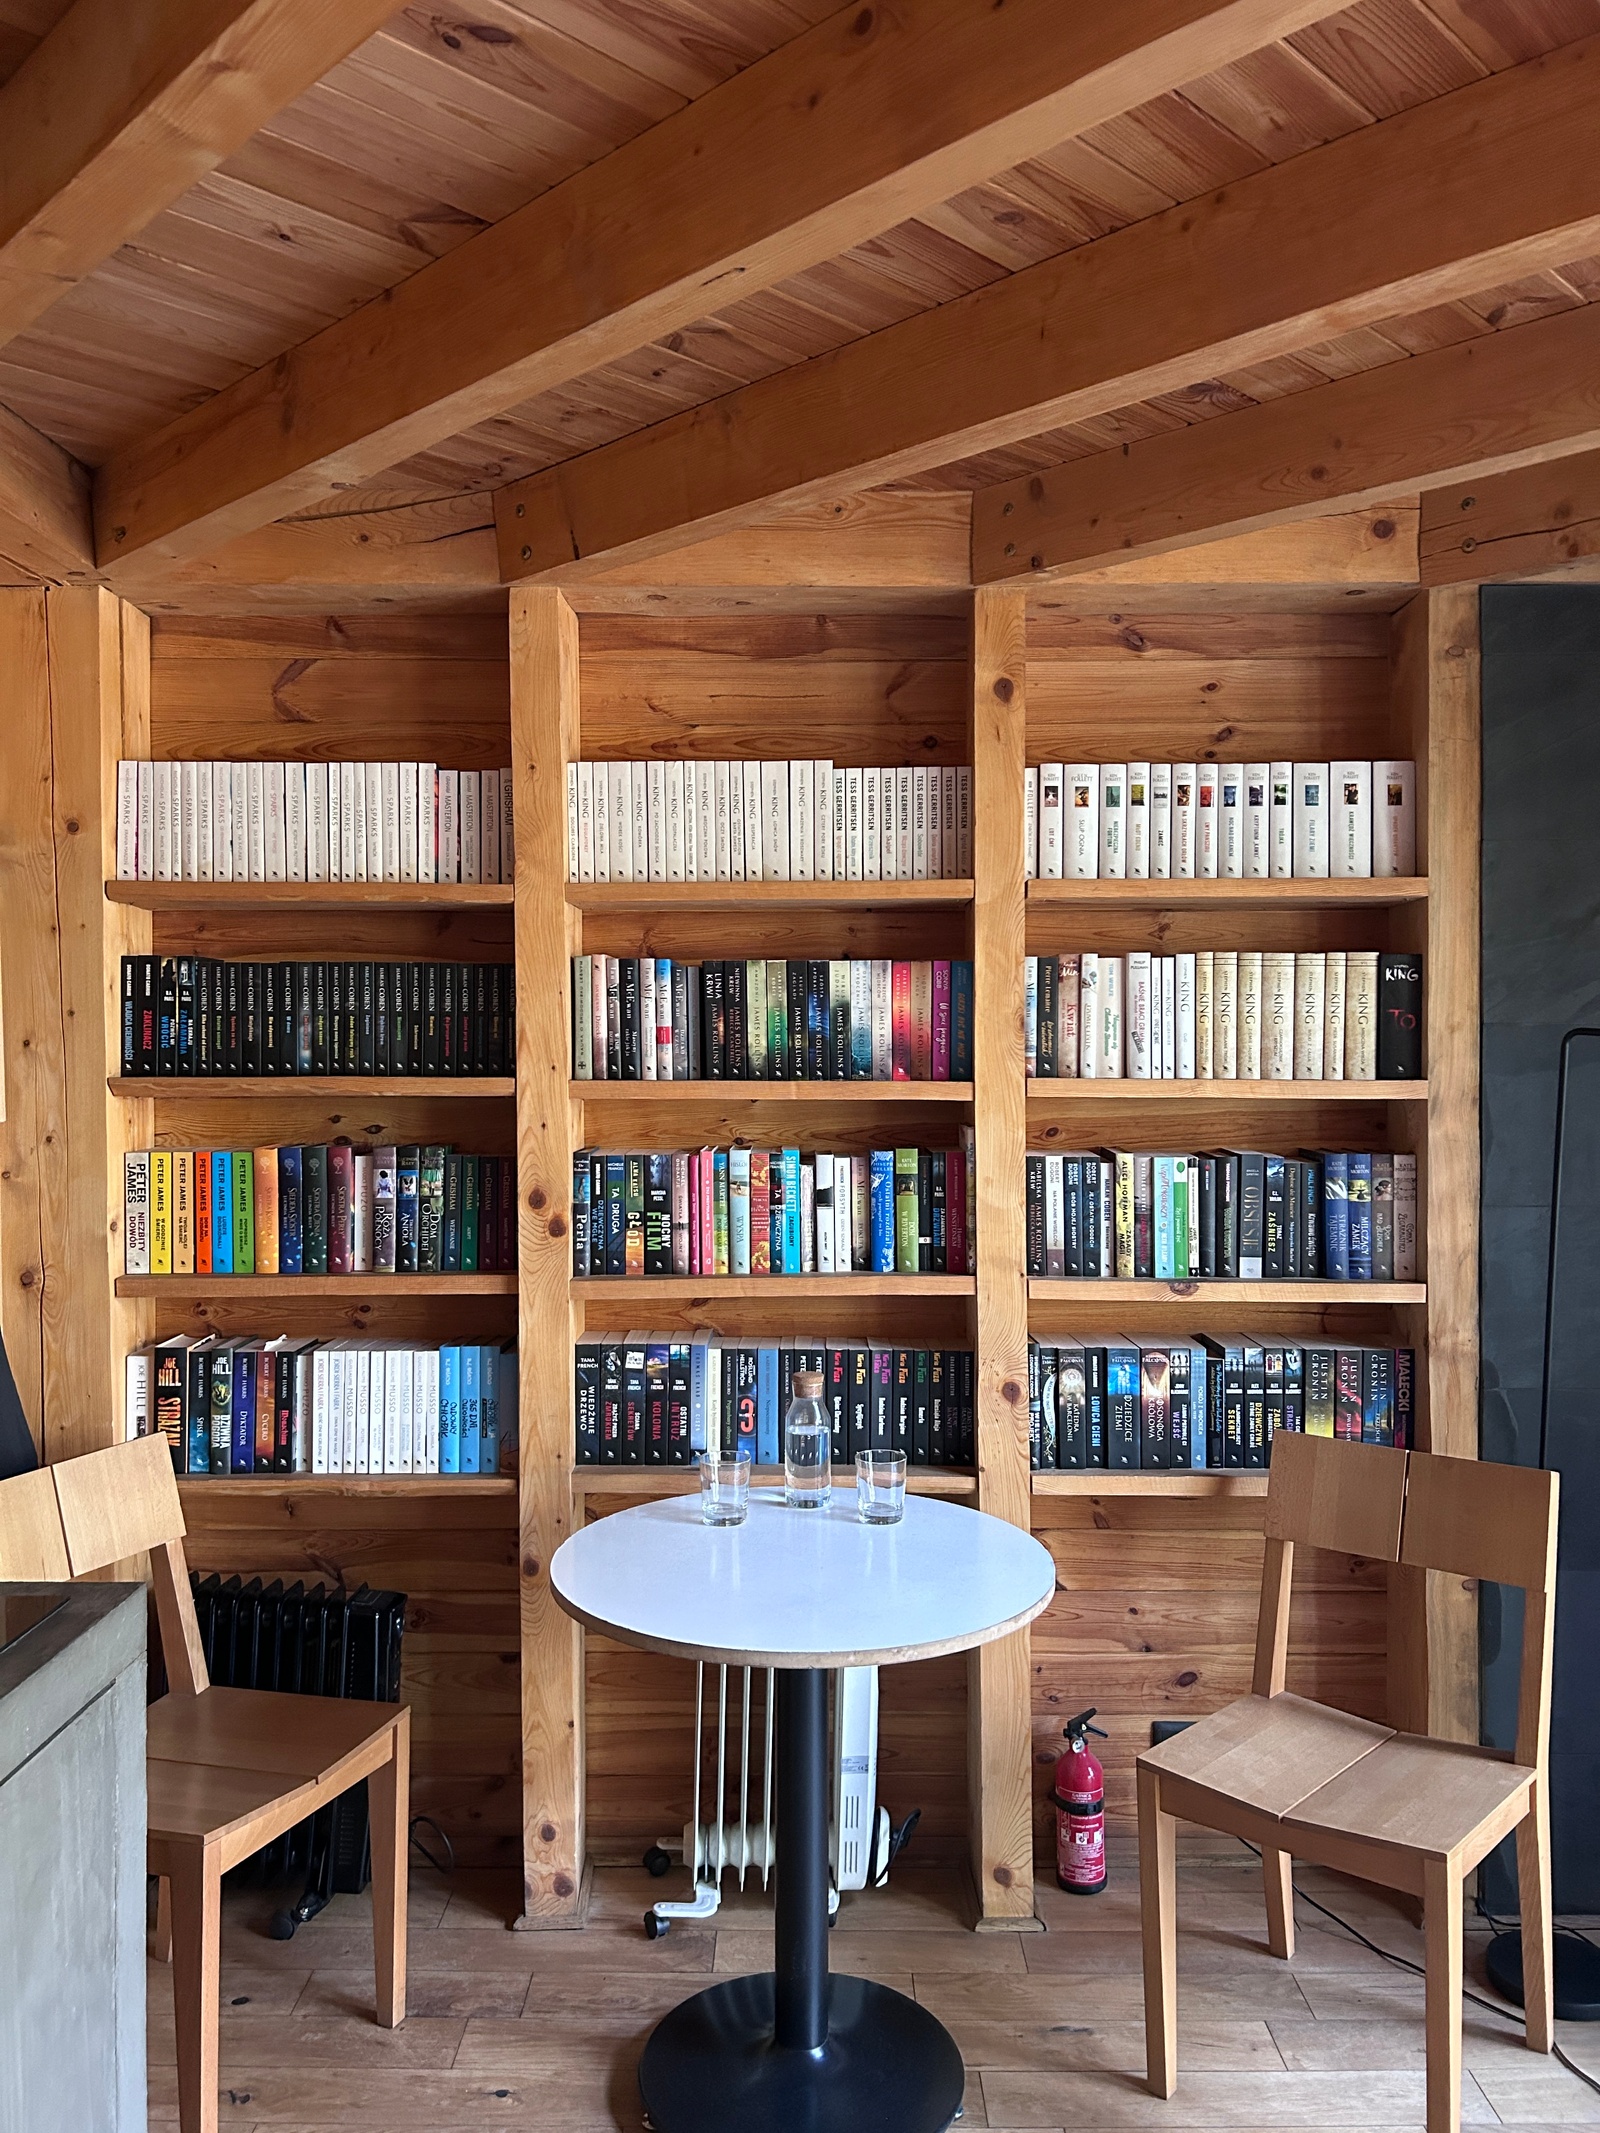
pixel 1158 1911
pixel 196 1957
pixel 1277 1869
pixel 1538 1951
pixel 161 1938
pixel 389 1812
pixel 1441 1895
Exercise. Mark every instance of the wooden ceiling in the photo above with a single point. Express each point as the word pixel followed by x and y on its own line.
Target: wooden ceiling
pixel 441 125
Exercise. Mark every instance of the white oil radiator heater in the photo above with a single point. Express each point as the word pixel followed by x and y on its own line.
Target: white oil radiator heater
pixel 733 1829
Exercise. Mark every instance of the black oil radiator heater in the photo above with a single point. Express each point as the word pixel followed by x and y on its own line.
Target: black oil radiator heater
pixel 312 1641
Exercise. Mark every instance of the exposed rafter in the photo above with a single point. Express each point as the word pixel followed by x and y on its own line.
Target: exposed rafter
pixel 125 104
pixel 1456 195
pixel 874 115
pixel 1541 521
pixel 1511 399
pixel 44 505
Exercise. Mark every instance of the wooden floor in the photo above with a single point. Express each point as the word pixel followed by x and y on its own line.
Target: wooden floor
pixel 521 2031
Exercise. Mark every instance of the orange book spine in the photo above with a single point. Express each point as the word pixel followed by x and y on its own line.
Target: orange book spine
pixel 266 1170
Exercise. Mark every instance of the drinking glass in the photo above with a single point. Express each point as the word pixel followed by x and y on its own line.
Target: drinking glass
pixel 724 1488
pixel 880 1488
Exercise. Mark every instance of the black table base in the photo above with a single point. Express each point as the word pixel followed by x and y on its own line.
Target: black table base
pixel 795 2051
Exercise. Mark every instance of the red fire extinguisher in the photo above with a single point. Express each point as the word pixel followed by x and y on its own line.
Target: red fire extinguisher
pixel 1080 1811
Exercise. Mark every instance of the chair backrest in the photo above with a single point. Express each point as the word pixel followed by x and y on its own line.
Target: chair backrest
pixel 1329 1494
pixel 105 1508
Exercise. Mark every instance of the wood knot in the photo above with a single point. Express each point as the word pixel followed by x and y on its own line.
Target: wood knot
pixel 1004 1876
pixel 530 1566
pixel 1005 688
pixel 562 1884
pixel 536 1198
pixel 547 1833
pixel 1011 1391
pixel 558 1226
pixel 1383 529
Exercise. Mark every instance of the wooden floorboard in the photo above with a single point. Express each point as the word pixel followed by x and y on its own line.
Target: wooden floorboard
pixel 519 2033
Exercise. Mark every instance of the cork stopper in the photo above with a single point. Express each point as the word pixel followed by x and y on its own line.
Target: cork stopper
pixel 807 1384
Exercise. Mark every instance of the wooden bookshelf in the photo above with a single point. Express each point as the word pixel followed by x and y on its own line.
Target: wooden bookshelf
pixel 645 1481
pixel 290 1288
pixel 258 1088
pixel 1264 896
pixel 316 899
pixel 1222 1296
pixel 628 896
pixel 1047 1092
pixel 772 1092
pixel 198 1490
pixel 775 1288
pixel 1100 1482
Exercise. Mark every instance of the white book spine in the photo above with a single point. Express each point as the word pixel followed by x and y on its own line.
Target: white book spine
pixel 352 841
pixel 372 794
pixel 1203 1068
pixel 1161 821
pixel 841 856
pixel 321 1374
pixel 317 789
pixel 1055 831
pixel 802 821
pixel 1030 823
pixel 904 823
pixel 1113 821
pixel 737 863
pixel 1137 832
pixel 206 819
pixel 1280 823
pixel 1277 1015
pixel 775 822
pixel 647 1018
pixel 163 821
pixel 427 822
pixel 882 1019
pixel 136 1212
pixel 1230 821
pixel 937 776
pixel 361 1214
pixel 255 821
pixel 128 822
pixel 722 846
pixel 1257 823
pixel 1361 1015
pixel 950 832
pixel 1248 1015
pixel 408 821
pixel 691 821
pixel 853 782
pixel 1111 1018
pixel 754 842
pixel 1350 792
pixel 1184 1016
pixel 1136 1014
pixel 146 830
pixel 1169 1018
pixel 489 830
pixel 136 1393
pixel 673 800
pixel 1310 1015
pixel 393 835
pixel 189 817
pixel 822 1212
pixel 710 811
pixel 294 820
pixel 1405 1216
pixel 871 826
pixel 582 848
pixel 1207 822
pixel 275 801
pixel 1333 1015
pixel 1311 821
pixel 1225 1014
pixel 919 822
pixel 1394 819
pixel 822 819
pixel 449 853
pixel 639 819
pixel 1089 1017
pixel 1188 817
pixel 619 816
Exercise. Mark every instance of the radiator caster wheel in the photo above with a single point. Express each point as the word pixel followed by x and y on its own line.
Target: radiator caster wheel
pixel 657 1862
pixel 655 1928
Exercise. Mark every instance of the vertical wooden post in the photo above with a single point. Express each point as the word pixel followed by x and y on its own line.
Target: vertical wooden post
pixel 1433 1653
pixel 544 738
pixel 999 1722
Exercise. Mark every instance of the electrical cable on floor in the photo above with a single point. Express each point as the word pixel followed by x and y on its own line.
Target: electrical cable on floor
pixel 1402 1962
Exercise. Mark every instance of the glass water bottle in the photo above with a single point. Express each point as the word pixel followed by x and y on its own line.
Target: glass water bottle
pixel 807 1445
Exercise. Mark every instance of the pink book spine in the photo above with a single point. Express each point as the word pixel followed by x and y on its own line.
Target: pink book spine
pixel 694 1213
pixel 682 1234
pixel 708 1251
pixel 955 1187
pixel 940 1059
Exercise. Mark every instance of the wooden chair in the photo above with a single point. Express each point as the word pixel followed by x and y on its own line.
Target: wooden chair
pixel 1302 1780
pixel 229 1769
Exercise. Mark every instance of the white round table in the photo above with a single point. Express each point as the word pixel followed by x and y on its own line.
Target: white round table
pixel 795 2050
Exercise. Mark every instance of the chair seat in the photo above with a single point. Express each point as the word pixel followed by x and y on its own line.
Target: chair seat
pixel 1434 1797
pixel 1267 1752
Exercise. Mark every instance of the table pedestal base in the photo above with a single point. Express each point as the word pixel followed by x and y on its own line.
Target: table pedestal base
pixel 711 2066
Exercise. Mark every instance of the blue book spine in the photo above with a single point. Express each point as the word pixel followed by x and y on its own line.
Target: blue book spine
pixel 471 1403
pixel 697 1397
pixel 960 1021
pixel 769 1420
pixel 198 1456
pixel 450 1410
pixel 883 1210
pixel 1199 1405
pixel 1161 1210
pixel 1360 1208
pixel 489 1408
pixel 791 1210
pixel 1336 1216
pixel 582 1214
pixel 243 1455
pixel 616 1213
pixel 289 1260
pixel 860 1021
pixel 221 1211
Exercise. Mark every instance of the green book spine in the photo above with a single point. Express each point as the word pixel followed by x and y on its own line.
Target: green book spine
pixel 430 1211
pixel 719 1212
pixel 777 1022
pixel 244 1212
pixel 1180 1217
pixel 906 1210
pixel 755 1018
pixel 471 1181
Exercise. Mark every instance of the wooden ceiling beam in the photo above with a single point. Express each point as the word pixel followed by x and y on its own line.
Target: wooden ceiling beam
pixel 1540 521
pixel 1454 196
pixel 1511 399
pixel 873 115
pixel 125 104
pixel 44 505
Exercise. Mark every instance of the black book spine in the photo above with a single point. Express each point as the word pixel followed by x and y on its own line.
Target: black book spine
pixel 1048 986
pixel 147 1002
pixel 924 1212
pixel 816 1068
pixel 713 1044
pixel 1034 1213
pixel 735 1029
pixel 188 1063
pixel 415 982
pixel 938 1228
pixel 382 1043
pixel 628 1017
pixel 477 1047
pixel 321 1020
pixel 1274 1213
pixel 794 987
pixel 367 1026
pixel 305 1018
pixel 336 1020
pixel 461 1021
pixel 495 1058
pixel 658 1214
pixel 253 1039
pixel 450 1234
pixel 838 1037
pixel 268 1010
pixel 352 1018
pixel 167 1016
pixel 129 998
pixel 1399 1017
pixel 449 995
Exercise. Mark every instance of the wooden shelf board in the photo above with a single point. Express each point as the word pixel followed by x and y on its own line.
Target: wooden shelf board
pixel 696 1288
pixel 684 1480
pixel 780 895
pixel 348 1085
pixel 768 1092
pixel 1098 1482
pixel 1046 1091
pixel 1299 894
pixel 199 1286
pixel 1087 1290
pixel 312 895
pixel 194 1487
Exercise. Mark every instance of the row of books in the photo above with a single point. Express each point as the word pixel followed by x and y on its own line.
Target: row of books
pixel 717 1211
pixel 338 1207
pixel 1220 821
pixel 1208 1401
pixel 656 1399
pixel 287 1406
pixel 648 1018
pixel 1225 1015
pixel 1226 1215
pixel 194 1015
pixel 269 821
pixel 749 821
